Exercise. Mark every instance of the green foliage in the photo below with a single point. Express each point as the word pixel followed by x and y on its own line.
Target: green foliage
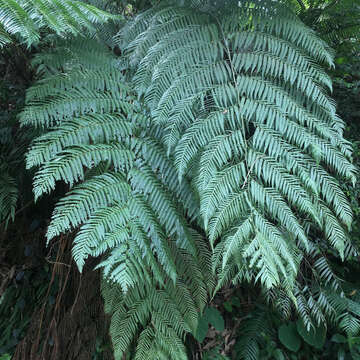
pixel 25 19
pixel 210 148
pixel 289 336
pixel 13 145
pixel 210 316
pixel 213 316
pixel 254 332
pixel 154 321
pixel 126 203
pixel 314 337
pixel 214 354
pixel 5 357
pixel 338 22
pixel 262 162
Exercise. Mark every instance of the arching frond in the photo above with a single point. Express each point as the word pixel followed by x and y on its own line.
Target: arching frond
pixel 26 18
pixel 125 200
pixel 158 318
pixel 244 101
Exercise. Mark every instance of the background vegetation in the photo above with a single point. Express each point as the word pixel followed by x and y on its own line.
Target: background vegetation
pixel 48 310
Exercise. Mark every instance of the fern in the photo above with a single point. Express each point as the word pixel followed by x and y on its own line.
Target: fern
pixel 155 321
pixel 91 131
pixel 246 105
pixel 214 132
pixel 8 196
pixel 322 297
pixel 252 334
pixel 124 197
pixel 26 18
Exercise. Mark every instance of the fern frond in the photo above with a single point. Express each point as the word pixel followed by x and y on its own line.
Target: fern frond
pixel 84 130
pixel 98 192
pixel 95 80
pixel 123 184
pixel 67 104
pixel 244 101
pixel 231 134
pixel 71 55
pixel 251 335
pixel 161 317
pixel 27 18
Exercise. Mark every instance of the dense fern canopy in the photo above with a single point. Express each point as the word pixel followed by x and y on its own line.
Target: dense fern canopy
pixel 25 19
pixel 248 119
pixel 209 153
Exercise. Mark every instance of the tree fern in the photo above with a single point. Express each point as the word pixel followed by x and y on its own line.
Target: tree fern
pixel 212 147
pixel 244 101
pixel 90 131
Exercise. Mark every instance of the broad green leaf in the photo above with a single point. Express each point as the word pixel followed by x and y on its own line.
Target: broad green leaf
pixel 315 337
pixel 202 329
pixel 289 337
pixel 214 318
